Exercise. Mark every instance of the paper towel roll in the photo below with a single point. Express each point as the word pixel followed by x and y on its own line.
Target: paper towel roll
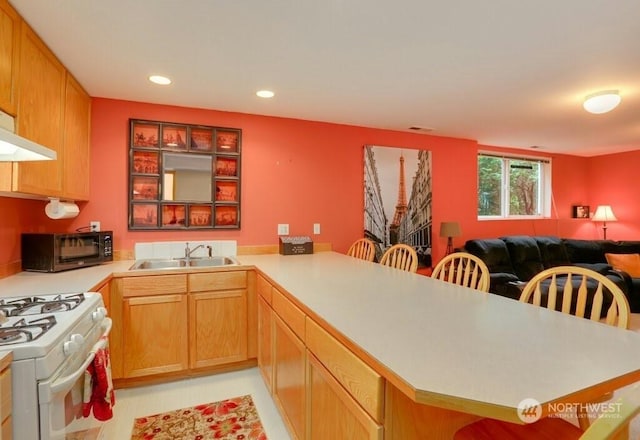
pixel 60 210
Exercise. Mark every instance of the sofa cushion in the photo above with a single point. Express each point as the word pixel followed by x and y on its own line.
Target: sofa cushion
pixel 493 252
pixel 629 263
pixel 552 251
pixel 525 255
pixel 587 251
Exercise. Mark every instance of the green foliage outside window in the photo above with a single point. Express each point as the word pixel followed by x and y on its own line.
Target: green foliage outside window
pixel 508 181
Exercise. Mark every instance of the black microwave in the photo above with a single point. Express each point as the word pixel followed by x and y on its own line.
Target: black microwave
pixel 58 252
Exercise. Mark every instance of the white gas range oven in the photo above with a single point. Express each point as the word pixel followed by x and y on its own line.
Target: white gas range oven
pixel 54 339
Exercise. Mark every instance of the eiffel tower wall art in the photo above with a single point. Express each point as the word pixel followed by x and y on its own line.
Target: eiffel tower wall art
pixel 397 199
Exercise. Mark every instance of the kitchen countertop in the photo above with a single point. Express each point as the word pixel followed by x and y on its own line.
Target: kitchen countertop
pixel 452 346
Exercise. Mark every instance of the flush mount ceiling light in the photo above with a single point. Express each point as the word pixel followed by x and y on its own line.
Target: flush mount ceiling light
pixel 158 79
pixel 265 93
pixel 602 102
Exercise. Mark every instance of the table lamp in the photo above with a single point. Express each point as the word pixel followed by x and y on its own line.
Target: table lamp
pixel 449 230
pixel 604 214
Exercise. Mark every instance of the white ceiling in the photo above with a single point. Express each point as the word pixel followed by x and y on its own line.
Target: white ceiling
pixel 504 72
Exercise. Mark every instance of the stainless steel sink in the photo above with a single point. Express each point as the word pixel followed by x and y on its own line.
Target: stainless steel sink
pixel 213 261
pixel 183 263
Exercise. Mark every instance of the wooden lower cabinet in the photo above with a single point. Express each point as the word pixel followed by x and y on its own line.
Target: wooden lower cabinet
pixel 217 328
pixel 5 401
pixel 289 384
pixel 155 335
pixel 265 344
pixel 332 412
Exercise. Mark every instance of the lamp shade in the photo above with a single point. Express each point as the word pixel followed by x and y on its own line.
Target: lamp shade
pixel 450 229
pixel 604 214
pixel 602 102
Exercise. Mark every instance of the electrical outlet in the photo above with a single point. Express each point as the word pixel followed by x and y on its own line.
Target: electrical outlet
pixel 283 229
pixel 316 228
pixel 95 226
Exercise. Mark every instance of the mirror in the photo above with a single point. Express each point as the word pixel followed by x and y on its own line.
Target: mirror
pixel 183 176
pixel 186 177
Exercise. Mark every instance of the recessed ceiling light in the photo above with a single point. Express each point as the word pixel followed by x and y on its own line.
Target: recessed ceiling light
pixel 158 79
pixel 265 93
pixel 602 102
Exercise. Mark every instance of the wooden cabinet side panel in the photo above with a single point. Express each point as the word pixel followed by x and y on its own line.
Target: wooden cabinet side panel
pixel 252 316
pixel 217 328
pixel 290 378
pixel 115 338
pixel 41 89
pixel 9 56
pixel 332 413
pixel 155 335
pixel 77 121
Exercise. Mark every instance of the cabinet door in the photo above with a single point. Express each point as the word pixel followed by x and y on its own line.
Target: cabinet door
pixel 289 388
pixel 332 412
pixel 217 327
pixel 9 56
pixel 41 90
pixel 265 344
pixel 77 114
pixel 155 335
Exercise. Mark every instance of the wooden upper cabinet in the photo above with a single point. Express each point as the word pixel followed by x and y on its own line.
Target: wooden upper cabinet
pixel 9 56
pixel 41 94
pixel 77 122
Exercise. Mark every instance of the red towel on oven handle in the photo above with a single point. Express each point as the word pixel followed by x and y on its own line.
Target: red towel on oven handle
pixel 102 397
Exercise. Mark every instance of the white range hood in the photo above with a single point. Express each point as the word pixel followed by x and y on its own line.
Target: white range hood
pixel 14 148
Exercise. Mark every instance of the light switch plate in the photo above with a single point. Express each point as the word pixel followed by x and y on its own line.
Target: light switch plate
pixel 316 228
pixel 283 229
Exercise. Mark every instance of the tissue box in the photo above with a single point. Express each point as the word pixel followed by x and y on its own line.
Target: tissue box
pixel 296 245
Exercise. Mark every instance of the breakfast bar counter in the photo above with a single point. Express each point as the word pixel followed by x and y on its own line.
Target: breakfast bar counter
pixel 448 347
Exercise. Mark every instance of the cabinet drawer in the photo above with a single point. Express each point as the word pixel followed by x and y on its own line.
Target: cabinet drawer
pixel 5 394
pixel 155 285
pixel 363 383
pixel 264 288
pixel 290 314
pixel 205 282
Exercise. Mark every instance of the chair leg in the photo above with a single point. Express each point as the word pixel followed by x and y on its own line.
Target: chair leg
pixel 583 418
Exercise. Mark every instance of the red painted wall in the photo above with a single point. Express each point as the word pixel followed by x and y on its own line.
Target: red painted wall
pixel 302 172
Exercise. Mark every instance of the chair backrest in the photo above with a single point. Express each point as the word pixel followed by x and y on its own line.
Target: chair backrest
pixel 401 256
pixel 463 269
pixel 608 426
pixel 573 284
pixel 363 249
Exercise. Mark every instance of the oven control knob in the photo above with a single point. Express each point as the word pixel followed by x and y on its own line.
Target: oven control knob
pixel 78 339
pixel 99 314
pixel 70 347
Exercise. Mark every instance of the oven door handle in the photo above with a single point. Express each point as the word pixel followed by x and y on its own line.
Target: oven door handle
pixel 66 382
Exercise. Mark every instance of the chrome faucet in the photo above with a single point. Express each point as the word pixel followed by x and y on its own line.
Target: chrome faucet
pixel 188 252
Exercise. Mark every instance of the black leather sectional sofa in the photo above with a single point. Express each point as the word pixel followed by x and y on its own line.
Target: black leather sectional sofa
pixel 518 258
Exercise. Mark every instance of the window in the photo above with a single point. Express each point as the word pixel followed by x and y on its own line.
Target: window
pixel 513 187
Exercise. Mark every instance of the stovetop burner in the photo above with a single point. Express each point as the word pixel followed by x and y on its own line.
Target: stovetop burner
pixel 25 331
pixel 35 305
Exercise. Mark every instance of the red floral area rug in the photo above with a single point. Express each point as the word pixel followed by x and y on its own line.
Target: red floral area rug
pixel 231 419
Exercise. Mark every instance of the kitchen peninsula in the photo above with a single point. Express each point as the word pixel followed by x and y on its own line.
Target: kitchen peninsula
pixel 409 356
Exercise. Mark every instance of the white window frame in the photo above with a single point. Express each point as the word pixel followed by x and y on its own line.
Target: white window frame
pixel 544 186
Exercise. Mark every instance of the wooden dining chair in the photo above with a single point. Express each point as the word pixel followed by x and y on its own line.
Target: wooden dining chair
pixel 364 249
pixel 571 283
pixel 401 256
pixel 463 269
pixel 566 286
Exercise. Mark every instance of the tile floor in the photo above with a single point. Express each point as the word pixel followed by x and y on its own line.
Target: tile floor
pixel 132 403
